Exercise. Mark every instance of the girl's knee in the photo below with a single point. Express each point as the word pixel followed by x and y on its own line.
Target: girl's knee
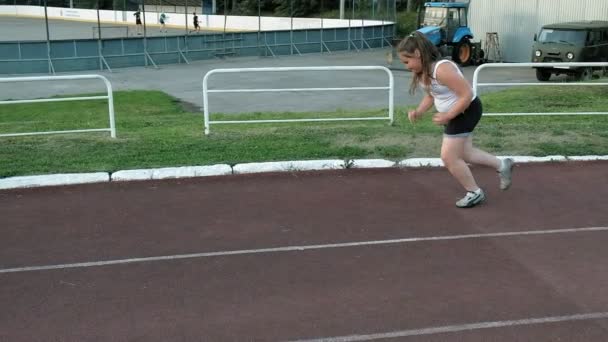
pixel 452 151
pixel 448 159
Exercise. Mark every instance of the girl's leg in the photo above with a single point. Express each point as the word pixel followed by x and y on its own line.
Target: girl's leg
pixel 452 155
pixel 480 157
pixel 476 156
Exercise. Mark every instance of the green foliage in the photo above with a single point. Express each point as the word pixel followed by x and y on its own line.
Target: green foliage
pixel 406 23
pixel 296 8
pixel 246 7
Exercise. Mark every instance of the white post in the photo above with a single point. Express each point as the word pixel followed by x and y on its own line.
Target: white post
pixel 109 96
pixel 110 105
pixel 390 89
pixel 206 103
pixel 391 95
pixel 477 84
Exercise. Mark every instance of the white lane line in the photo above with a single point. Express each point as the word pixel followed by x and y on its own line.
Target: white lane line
pixel 299 248
pixel 462 327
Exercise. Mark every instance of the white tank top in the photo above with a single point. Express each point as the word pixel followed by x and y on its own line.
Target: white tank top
pixel 444 97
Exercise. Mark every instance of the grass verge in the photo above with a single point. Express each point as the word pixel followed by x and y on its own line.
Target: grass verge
pixel 155 131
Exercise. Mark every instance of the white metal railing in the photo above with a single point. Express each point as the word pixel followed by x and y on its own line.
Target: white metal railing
pixel 477 84
pixel 109 97
pixel 206 91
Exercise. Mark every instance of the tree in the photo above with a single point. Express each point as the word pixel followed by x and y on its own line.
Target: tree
pixel 414 5
pixel 250 7
pixel 301 8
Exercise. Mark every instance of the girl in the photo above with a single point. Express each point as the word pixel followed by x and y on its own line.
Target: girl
pixel 458 110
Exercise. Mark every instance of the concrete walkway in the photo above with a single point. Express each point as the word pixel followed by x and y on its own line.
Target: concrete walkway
pixel 185 83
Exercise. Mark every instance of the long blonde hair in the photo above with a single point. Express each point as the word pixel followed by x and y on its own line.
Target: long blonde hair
pixel 429 54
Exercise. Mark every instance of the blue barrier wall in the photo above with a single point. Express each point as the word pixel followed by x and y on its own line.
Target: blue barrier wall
pixel 84 54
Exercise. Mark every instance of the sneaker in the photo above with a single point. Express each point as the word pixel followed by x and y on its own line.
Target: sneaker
pixel 471 199
pixel 506 169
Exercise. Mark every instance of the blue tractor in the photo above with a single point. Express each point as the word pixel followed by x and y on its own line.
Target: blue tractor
pixel 445 24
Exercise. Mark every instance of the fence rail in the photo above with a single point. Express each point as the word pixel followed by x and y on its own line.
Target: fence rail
pixel 206 91
pixel 477 84
pixel 109 97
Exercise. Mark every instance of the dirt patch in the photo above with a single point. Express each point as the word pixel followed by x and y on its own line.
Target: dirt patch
pixel 420 145
pixel 190 107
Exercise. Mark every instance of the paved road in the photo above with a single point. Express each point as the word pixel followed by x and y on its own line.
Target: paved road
pixel 185 82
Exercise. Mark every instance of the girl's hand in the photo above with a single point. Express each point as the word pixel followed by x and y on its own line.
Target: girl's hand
pixel 412 115
pixel 441 118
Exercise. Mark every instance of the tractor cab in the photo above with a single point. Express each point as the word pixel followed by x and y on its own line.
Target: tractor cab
pixel 444 17
pixel 445 25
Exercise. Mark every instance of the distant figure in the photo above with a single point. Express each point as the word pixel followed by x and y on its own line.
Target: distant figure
pixel 138 21
pixel 163 18
pixel 197 28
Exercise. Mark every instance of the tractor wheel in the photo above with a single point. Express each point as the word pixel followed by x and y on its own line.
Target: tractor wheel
pixel 463 52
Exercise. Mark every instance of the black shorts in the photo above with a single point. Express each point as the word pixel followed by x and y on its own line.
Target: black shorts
pixel 465 122
pixel 137 21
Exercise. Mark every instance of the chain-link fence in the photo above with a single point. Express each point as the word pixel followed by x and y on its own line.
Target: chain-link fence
pixel 103 32
pixel 155 17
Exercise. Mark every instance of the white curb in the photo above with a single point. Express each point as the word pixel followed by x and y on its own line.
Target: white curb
pixel 371 163
pixel 587 158
pixel 304 165
pixel 436 162
pixel 530 159
pixel 192 171
pixel 172 172
pixel 51 180
pixel 421 162
pixel 224 169
pixel 131 175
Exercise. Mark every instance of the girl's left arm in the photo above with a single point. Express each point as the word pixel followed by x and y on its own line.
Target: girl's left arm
pixel 449 76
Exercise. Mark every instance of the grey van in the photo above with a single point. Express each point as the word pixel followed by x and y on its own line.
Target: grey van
pixel 580 41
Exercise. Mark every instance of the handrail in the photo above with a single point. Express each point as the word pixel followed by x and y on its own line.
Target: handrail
pixel 206 91
pixel 477 84
pixel 109 97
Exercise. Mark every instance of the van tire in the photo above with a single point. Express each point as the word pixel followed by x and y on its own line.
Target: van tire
pixel 585 74
pixel 543 75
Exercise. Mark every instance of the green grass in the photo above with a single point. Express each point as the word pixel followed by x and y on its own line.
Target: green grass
pixel 155 131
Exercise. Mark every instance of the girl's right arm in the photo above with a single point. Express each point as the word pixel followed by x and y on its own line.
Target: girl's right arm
pixel 425 104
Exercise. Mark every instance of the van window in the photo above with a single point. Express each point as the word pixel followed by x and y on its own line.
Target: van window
pixel 562 36
pixel 605 36
pixel 594 37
